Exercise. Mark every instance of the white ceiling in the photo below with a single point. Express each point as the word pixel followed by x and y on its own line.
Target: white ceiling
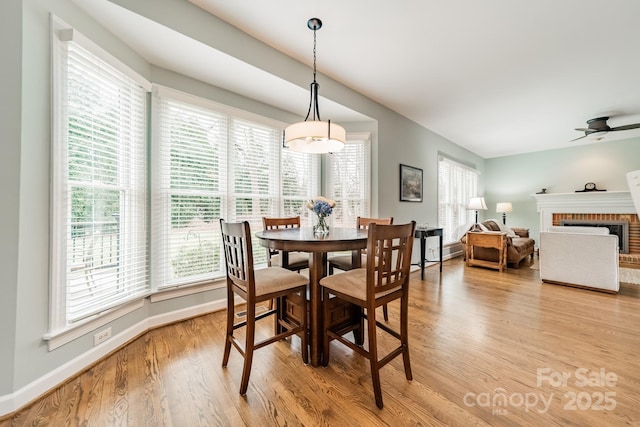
pixel 498 77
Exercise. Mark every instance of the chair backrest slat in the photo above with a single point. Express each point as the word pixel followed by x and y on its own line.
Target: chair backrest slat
pixel 238 251
pixel 363 223
pixel 278 223
pixel 390 267
pixel 275 223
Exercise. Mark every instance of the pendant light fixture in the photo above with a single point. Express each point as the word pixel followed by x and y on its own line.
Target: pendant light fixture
pixel 314 135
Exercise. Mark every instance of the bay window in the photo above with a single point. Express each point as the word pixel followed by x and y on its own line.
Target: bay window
pixel 136 214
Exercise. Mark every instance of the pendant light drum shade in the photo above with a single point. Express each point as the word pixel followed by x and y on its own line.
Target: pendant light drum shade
pixel 314 135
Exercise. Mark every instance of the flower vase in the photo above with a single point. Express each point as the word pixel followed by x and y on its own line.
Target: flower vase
pixel 321 227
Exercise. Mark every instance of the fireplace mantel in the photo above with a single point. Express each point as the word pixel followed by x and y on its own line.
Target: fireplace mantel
pixel 613 202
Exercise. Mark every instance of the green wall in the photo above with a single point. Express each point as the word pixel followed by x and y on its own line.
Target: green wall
pixel 10 123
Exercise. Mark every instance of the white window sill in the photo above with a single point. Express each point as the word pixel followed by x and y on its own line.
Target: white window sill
pixel 65 335
pixel 177 292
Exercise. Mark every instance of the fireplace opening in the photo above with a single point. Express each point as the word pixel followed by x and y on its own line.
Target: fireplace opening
pixel 619 228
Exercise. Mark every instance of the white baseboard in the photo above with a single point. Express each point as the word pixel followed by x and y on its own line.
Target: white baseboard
pixel 16 400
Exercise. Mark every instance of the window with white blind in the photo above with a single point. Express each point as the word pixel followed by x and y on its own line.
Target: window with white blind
pixel 349 180
pixel 254 176
pixel 99 232
pixel 457 183
pixel 213 162
pixel 189 191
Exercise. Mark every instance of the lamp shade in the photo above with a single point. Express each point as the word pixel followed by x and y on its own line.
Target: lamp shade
pixel 315 136
pixel 477 203
pixel 503 207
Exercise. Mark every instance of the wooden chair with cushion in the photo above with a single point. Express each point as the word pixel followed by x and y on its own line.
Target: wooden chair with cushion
pixel 343 262
pixel 385 278
pixel 295 261
pixel 256 286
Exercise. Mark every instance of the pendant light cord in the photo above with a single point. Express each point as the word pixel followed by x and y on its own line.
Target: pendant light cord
pixel 313 102
pixel 314 56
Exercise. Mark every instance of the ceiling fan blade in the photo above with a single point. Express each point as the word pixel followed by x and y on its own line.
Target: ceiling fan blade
pixel 626 127
pixel 584 136
pixel 583 129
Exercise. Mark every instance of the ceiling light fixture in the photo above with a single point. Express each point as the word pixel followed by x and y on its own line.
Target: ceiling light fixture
pixel 314 136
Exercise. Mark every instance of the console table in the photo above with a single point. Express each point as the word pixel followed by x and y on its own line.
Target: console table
pixel 422 234
pixel 487 239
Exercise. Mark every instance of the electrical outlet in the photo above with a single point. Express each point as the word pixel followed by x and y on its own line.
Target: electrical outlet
pixel 101 337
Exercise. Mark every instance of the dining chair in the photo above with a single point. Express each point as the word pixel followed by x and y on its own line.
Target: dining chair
pixel 295 261
pixel 343 262
pixel 385 278
pixel 256 286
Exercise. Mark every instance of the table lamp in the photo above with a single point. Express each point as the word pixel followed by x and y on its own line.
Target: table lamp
pixel 477 204
pixel 504 207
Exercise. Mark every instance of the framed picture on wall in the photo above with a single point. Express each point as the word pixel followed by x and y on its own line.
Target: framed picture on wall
pixel 410 184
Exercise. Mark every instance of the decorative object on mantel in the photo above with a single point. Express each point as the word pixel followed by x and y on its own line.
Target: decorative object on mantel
pixel 589 186
pixel 543 191
pixel 322 207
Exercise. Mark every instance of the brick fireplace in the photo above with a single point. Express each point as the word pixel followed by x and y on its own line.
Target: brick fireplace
pixel 601 206
pixel 633 257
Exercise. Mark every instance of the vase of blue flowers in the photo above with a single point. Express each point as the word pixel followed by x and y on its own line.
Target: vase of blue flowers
pixel 322 208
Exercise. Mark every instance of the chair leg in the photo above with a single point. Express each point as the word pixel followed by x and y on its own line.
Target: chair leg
pixel 373 356
pixel 305 323
pixel 280 310
pixel 385 313
pixel 229 333
pixel 404 334
pixel 326 321
pixel 248 348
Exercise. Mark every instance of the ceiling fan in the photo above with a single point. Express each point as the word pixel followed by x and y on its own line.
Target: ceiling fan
pixel 599 125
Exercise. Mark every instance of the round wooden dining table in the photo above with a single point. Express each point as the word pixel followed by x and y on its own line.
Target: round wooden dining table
pixel 303 239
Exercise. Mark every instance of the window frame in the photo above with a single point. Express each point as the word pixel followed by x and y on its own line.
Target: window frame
pixel 130 184
pixel 458 205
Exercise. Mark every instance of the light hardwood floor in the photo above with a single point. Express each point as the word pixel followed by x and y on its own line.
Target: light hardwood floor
pixel 487 348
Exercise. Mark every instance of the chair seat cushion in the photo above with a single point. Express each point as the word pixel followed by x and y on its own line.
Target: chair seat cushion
pixel 352 283
pixel 297 260
pixel 275 279
pixel 343 262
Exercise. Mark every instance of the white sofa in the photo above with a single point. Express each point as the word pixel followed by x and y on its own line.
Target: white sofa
pixel 580 256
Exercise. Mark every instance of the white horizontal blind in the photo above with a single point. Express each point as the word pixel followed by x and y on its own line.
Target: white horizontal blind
pixel 456 185
pixel 349 181
pixel 99 193
pixel 254 175
pixel 300 183
pixel 190 186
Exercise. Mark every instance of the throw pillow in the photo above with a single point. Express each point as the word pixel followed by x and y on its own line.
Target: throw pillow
pixel 491 225
pixel 503 228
